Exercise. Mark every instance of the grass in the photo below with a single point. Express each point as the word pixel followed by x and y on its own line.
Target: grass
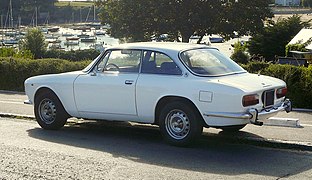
pixel 73 4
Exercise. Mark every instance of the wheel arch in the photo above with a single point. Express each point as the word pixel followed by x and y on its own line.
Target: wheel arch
pixel 43 90
pixel 166 99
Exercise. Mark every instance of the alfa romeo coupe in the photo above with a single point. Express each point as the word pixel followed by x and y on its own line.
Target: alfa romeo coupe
pixel 178 86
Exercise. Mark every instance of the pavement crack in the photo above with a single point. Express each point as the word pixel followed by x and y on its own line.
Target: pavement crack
pixel 285 176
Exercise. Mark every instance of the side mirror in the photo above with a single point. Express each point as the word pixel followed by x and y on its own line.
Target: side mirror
pixel 92 73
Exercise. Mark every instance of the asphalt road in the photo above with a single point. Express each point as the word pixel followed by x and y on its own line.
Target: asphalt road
pixel 119 150
pixel 12 103
pixel 125 151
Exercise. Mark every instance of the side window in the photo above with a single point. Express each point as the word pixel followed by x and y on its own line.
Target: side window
pixel 159 63
pixel 123 61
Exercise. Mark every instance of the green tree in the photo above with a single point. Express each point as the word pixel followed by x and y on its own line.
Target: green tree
pixel 139 19
pixel 244 16
pixel 34 42
pixel 299 46
pixel 239 55
pixel 307 3
pixel 271 41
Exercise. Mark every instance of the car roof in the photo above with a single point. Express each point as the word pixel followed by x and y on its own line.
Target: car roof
pixel 159 46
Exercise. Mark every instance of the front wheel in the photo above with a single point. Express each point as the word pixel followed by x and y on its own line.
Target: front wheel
pixel 49 111
pixel 180 124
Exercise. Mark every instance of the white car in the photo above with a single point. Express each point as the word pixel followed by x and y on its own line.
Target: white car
pixel 180 87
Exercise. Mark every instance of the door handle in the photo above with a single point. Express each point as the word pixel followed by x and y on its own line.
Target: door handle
pixel 129 82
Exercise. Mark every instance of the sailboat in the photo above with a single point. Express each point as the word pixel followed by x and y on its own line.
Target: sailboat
pixel 10 33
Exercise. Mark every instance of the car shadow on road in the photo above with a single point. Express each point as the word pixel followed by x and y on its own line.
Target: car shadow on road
pixel 144 144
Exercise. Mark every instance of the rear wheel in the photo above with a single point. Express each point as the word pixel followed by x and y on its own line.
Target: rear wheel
pixel 180 124
pixel 49 111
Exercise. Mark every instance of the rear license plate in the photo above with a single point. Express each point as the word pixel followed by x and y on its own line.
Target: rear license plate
pixel 268 98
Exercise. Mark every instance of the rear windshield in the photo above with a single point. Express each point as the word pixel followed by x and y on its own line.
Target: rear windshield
pixel 209 62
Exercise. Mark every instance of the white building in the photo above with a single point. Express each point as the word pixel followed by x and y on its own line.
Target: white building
pixel 303 36
pixel 287 2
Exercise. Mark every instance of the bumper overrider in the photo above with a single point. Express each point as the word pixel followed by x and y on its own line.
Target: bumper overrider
pixel 253 115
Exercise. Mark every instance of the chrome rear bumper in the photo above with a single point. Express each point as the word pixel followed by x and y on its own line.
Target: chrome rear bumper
pixel 253 115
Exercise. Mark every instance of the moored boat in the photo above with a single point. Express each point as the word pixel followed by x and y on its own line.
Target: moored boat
pixel 89 39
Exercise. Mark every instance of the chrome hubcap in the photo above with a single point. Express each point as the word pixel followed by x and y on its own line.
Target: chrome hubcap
pixel 47 111
pixel 177 124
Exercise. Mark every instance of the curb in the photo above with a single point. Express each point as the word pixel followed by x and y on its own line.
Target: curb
pixel 18 116
pixel 269 143
pixel 302 110
pixel 228 138
pixel 12 92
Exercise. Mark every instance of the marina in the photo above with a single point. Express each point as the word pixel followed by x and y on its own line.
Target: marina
pixel 74 36
pixel 63 37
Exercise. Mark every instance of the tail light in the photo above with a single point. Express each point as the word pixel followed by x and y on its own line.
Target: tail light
pixel 250 100
pixel 281 92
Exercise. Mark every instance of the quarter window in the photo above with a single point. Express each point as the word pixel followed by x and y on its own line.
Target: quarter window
pixel 209 62
pixel 159 63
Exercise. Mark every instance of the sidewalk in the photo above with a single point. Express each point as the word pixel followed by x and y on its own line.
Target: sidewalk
pixel 274 136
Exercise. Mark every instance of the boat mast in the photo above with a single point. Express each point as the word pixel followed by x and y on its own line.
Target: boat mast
pixel 1 21
pixel 94 13
pixel 36 16
pixel 11 14
pixel 88 14
pixel 46 22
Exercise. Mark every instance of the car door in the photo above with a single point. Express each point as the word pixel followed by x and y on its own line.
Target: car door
pixel 108 92
pixel 160 76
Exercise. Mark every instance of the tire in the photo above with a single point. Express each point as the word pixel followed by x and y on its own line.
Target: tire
pixel 233 129
pixel 180 124
pixel 49 111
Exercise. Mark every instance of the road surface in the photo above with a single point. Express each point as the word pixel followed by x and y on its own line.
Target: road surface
pixel 120 150
pixel 123 151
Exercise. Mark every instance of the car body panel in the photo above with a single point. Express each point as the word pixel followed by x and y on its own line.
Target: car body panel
pixel 60 84
pixel 105 94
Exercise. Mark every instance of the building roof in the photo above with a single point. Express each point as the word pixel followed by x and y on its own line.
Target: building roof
pixel 303 36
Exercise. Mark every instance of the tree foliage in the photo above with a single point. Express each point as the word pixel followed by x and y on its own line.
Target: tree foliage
pixel 34 42
pixel 275 36
pixel 239 55
pixel 307 3
pixel 299 46
pixel 137 20
pixel 12 52
pixel 244 16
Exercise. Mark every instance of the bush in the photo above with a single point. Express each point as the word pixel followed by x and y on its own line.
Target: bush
pixel 271 41
pixel 11 52
pixel 299 81
pixel 255 66
pixel 297 78
pixel 78 55
pixel 240 57
pixel 15 71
